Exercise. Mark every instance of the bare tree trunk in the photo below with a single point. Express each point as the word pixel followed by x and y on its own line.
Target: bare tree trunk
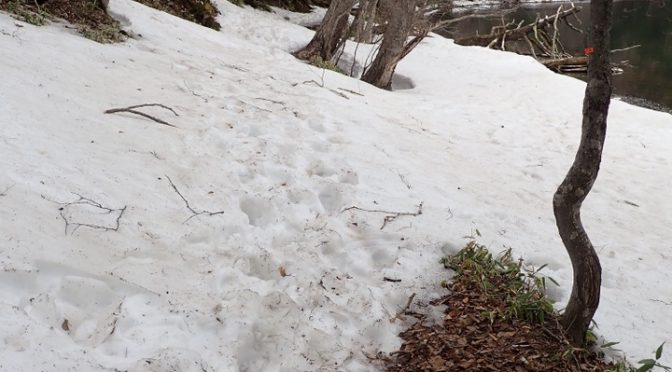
pixel 400 16
pixel 365 20
pixel 567 200
pixel 331 32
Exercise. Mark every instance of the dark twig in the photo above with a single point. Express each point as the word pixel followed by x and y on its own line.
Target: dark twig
pixel 400 314
pixel 69 223
pixel 194 92
pixel 661 301
pixel 5 191
pixel 270 100
pixel 193 211
pixel 255 106
pixel 351 92
pixel 393 280
pixel 404 180
pixel 391 216
pixel 131 109
pixel 237 68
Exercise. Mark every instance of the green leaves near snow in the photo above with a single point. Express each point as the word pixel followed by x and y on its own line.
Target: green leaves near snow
pixel 650 364
pixel 524 287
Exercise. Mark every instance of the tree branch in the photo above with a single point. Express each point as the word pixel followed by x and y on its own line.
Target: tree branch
pixel 193 211
pixel 391 216
pixel 131 109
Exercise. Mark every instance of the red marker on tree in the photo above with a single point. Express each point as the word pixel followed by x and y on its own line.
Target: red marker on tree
pixel 588 51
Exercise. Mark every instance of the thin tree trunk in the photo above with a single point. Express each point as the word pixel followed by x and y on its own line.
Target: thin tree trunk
pixel 330 34
pixel 365 21
pixel 401 15
pixel 585 296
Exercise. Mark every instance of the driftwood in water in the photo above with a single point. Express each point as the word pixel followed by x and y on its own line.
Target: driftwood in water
pixel 540 39
pixel 567 64
pixel 513 31
pixel 573 64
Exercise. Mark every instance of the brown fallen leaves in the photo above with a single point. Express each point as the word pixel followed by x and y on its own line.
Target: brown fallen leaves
pixel 203 12
pixel 475 336
pixel 88 17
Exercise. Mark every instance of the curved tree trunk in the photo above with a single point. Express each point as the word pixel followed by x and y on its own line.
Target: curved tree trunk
pixel 567 200
pixel 400 18
pixel 330 34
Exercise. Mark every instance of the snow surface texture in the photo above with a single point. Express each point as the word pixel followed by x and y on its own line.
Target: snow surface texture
pixel 482 139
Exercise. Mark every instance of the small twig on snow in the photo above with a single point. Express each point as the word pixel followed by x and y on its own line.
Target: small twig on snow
pixel 400 314
pixel 5 191
pixel 391 216
pixel 86 201
pixel 270 100
pixel 193 211
pixel 393 280
pixel 351 92
pixel 403 179
pixel 339 94
pixel 238 68
pixel 661 301
pixel 193 92
pixel 255 106
pixel 131 109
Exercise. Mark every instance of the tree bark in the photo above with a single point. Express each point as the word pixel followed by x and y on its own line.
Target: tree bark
pixel 401 16
pixel 567 201
pixel 330 34
pixel 365 20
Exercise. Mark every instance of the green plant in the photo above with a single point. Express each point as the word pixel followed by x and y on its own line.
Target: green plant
pixel 25 14
pixel 202 12
pixel 644 364
pixel 649 364
pixel 621 366
pixel 522 288
pixel 105 34
pixel 317 61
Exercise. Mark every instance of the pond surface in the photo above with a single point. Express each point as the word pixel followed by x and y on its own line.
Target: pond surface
pixel 647 76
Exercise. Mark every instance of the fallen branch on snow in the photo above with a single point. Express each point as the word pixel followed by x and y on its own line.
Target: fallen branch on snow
pixel 83 201
pixel 5 191
pixel 194 212
pixel 400 314
pixel 132 110
pixel 391 216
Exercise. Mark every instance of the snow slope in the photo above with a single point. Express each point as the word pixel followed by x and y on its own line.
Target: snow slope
pixel 263 270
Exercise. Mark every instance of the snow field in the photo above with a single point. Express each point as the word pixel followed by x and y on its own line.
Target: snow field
pixel 481 140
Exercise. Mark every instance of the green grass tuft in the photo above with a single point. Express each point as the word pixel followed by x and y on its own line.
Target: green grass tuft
pixel 523 289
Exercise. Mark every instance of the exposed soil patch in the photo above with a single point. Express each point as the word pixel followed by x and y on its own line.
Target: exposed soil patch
pixel 300 6
pixel 88 17
pixel 203 12
pixel 496 319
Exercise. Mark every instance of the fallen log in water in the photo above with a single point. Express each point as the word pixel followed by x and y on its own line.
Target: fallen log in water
pixel 539 39
pixel 513 31
pixel 567 64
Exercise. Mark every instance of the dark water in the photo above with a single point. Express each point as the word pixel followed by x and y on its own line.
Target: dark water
pixel 647 74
